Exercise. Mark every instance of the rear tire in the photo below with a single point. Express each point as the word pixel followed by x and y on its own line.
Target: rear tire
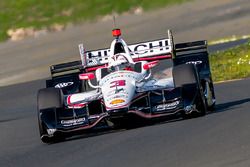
pixel 186 76
pixel 210 95
pixel 48 99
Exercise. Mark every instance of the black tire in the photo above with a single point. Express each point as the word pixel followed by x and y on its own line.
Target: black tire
pixel 211 88
pixel 47 99
pixel 186 76
pixel 201 103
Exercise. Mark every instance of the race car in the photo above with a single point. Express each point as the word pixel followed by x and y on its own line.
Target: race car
pixel 109 86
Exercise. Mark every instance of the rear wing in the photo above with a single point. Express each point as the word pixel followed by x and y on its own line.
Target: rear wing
pixel 157 49
pixel 74 66
pixel 182 49
pixel 91 60
pixel 193 53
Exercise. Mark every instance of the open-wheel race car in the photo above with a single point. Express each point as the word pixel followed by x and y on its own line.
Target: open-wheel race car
pixel 111 85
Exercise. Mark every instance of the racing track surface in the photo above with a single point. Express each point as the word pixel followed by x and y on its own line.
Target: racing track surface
pixel 218 139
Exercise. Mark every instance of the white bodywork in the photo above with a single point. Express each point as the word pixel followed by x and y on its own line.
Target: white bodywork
pixel 120 86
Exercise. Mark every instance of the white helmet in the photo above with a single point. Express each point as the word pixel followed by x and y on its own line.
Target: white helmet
pixel 120 61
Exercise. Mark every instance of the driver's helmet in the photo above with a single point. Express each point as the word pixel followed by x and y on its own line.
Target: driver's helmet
pixel 119 62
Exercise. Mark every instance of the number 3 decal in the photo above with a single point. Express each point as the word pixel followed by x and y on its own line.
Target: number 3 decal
pixel 117 83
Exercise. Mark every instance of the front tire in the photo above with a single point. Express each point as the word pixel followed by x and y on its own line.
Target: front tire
pixel 48 100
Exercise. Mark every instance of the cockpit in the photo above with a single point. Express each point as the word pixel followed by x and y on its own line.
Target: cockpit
pixel 120 61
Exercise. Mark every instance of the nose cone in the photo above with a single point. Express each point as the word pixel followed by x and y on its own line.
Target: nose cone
pixel 118 90
pixel 119 94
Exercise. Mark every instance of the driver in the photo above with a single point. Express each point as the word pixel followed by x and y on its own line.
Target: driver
pixel 120 62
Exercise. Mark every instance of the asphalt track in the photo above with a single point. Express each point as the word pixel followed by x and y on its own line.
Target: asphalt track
pixel 220 139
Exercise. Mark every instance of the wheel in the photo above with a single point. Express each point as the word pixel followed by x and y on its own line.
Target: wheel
pixel 201 103
pixel 48 100
pixel 186 76
pixel 209 95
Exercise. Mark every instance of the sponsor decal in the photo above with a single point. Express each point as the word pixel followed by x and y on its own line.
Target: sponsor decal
pixel 63 84
pixel 73 122
pixel 109 98
pixel 117 101
pixel 76 106
pixel 143 49
pixel 117 83
pixel 116 91
pixel 120 74
pixel 194 62
pixel 167 106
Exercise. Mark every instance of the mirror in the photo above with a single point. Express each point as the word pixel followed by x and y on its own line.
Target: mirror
pixel 150 65
pixel 86 76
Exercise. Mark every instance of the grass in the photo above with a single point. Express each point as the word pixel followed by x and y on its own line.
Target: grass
pixel 229 39
pixel 44 13
pixel 231 64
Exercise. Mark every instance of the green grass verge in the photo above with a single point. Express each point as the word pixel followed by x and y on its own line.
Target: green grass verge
pixel 43 13
pixel 231 64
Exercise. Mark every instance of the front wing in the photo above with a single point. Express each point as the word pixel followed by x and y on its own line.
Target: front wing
pixel 148 105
